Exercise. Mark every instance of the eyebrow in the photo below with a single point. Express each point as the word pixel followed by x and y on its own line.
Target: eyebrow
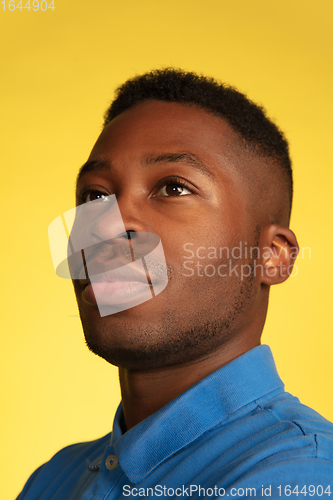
pixel 189 158
pixel 93 166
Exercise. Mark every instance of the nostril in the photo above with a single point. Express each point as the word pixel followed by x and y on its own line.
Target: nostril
pixel 131 234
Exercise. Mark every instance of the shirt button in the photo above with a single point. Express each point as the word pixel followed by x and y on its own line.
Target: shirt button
pixel 111 462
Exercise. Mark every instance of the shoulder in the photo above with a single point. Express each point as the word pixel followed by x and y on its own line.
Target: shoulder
pixel 289 477
pixel 69 461
pixel 293 452
pixel 278 442
pixel 74 454
pixel 287 412
pixel 295 433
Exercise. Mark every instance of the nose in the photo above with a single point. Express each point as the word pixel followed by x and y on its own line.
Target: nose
pixel 108 235
pixel 99 221
pixel 117 217
pixel 106 222
pixel 103 236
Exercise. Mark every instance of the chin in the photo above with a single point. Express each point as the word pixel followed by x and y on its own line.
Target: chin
pixel 135 358
pixel 145 347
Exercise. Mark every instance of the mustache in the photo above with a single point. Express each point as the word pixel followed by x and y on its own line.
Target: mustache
pixel 107 260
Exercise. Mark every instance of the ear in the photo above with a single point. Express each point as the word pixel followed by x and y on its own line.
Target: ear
pixel 280 252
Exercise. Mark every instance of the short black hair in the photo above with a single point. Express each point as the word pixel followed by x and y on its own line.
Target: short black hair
pixel 247 119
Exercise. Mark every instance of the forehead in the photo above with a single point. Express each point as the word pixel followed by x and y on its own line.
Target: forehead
pixel 156 127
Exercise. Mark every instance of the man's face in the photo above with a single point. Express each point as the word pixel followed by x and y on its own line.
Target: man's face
pixel 168 166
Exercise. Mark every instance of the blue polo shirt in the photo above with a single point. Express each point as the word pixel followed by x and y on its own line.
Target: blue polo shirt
pixel 234 434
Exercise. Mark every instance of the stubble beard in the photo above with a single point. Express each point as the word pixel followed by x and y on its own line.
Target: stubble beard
pixel 176 338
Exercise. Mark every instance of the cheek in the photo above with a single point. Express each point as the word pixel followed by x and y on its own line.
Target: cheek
pixel 206 236
pixel 200 260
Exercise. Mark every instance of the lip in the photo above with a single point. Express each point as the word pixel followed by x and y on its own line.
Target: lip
pixel 118 288
pixel 120 275
pixel 115 293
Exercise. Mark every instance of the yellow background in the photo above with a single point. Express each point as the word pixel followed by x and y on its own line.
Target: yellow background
pixel 58 73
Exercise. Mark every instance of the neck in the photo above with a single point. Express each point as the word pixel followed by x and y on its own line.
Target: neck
pixel 146 391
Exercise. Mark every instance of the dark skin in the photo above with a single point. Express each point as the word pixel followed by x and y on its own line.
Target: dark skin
pixel 198 323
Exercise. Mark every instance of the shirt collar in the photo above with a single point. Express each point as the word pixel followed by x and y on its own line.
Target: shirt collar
pixel 208 403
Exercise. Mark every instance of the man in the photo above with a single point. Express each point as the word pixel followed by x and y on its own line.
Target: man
pixel 203 411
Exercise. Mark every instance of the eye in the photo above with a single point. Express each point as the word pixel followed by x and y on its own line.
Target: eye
pixel 173 186
pixel 91 194
pixel 95 195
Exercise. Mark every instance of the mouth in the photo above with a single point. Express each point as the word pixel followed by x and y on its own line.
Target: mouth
pixel 116 293
pixel 125 285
